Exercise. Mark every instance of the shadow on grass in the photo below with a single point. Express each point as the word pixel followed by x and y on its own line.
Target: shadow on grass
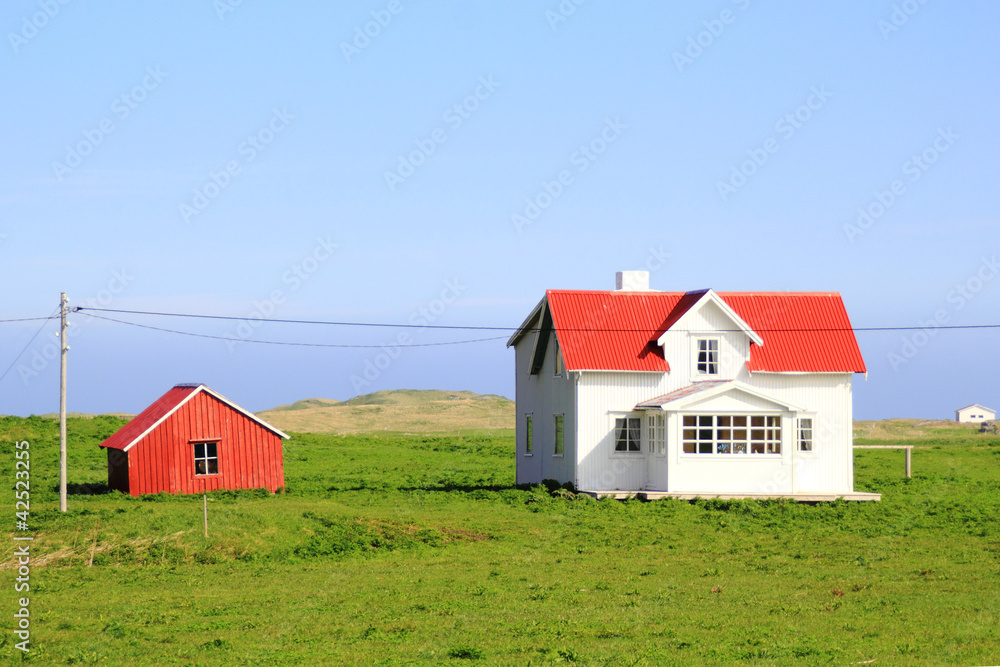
pixel 468 488
pixel 87 489
pixel 441 488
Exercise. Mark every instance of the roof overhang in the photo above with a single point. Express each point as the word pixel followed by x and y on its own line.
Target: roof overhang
pixel 976 405
pixel 529 323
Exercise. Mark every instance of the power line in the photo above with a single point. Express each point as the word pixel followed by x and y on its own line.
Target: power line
pixel 281 321
pixel 278 342
pixel 25 349
pixel 30 319
pixel 494 328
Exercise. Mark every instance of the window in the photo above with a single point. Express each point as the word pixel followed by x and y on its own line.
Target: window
pixel 528 443
pixel 732 434
pixel 559 436
pixel 627 434
pixel 206 458
pixel 558 362
pixel 806 435
pixel 656 433
pixel 708 356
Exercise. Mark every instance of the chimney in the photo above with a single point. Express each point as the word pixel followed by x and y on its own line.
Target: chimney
pixel 632 281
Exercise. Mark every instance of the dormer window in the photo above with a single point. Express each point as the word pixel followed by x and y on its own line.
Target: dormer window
pixel 707 359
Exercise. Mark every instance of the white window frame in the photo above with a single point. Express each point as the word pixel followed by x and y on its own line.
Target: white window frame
pixel 772 422
pixel 812 434
pixel 633 436
pixel 656 433
pixel 209 455
pixel 696 352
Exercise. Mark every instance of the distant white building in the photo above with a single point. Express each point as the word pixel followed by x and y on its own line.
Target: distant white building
pixel 699 393
pixel 974 413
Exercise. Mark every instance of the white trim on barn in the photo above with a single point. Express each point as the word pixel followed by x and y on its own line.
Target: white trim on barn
pixel 198 389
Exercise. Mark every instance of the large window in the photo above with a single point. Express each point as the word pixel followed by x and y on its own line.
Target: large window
pixel 206 458
pixel 559 436
pixel 657 433
pixel 708 356
pixel 732 434
pixel 529 436
pixel 628 433
pixel 805 435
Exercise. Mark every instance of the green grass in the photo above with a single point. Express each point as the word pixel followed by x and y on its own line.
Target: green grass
pixel 419 550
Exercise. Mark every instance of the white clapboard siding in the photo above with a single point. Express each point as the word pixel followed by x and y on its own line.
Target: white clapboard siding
pixel 544 395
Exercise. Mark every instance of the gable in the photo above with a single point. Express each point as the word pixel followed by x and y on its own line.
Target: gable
pixel 707 313
pixel 717 396
pixel 735 401
pixel 167 406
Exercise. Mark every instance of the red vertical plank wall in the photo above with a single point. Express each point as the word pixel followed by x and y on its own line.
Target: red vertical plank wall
pixel 249 454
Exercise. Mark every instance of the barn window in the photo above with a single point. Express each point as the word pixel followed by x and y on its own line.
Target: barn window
pixel 529 436
pixel 731 434
pixel 628 433
pixel 806 435
pixel 206 458
pixel 707 362
pixel 656 433
pixel 559 436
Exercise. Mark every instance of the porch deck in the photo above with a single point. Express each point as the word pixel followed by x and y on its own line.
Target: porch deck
pixel 854 496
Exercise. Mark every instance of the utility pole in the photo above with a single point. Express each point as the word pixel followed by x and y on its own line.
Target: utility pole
pixel 64 348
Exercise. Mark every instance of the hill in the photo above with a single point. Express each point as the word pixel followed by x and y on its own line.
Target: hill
pixel 399 410
pixel 908 429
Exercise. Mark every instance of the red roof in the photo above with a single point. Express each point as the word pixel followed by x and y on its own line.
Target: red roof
pixel 805 332
pixel 162 408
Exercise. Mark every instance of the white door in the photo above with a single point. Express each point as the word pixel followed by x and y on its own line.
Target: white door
pixel 655 427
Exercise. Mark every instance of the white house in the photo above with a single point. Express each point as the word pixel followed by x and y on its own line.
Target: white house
pixel 731 394
pixel 974 413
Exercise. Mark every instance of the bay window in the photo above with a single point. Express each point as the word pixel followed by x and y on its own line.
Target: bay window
pixel 731 434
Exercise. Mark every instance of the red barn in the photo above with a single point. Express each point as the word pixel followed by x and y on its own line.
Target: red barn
pixel 193 440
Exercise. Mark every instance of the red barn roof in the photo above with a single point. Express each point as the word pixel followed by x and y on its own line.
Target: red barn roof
pixel 802 332
pixel 165 406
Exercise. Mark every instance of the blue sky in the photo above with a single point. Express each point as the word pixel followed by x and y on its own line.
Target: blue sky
pixel 269 161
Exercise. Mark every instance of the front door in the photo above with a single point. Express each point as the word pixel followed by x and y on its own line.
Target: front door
pixel 656 450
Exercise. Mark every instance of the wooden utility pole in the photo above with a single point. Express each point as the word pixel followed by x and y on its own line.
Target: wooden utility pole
pixel 64 348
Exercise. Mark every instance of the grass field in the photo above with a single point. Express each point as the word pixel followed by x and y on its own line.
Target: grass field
pixel 390 549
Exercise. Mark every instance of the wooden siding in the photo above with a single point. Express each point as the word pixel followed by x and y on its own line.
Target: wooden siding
pixel 249 455
pixel 544 395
